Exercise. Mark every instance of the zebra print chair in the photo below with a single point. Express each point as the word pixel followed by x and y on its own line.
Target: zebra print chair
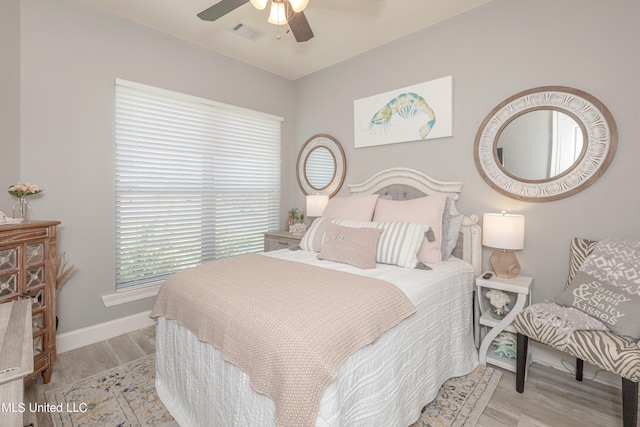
pixel 606 350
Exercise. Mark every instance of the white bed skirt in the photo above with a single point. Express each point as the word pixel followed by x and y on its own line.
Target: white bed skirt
pixel 383 384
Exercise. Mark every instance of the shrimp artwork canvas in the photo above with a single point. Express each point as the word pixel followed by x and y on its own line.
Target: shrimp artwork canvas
pixel 419 112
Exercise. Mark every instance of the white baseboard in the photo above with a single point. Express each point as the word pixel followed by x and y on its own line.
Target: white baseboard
pixel 102 331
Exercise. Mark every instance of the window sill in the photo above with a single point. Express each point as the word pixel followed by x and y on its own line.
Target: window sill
pixel 130 296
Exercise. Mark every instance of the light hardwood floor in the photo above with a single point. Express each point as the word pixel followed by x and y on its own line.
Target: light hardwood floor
pixel 551 398
pixel 84 362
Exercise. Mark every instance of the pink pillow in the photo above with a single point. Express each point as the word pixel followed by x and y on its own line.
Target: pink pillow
pixel 348 245
pixel 424 210
pixel 358 207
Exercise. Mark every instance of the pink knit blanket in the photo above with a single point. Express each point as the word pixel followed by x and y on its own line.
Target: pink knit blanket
pixel 287 325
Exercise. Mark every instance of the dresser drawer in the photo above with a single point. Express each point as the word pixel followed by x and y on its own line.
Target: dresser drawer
pixel 276 240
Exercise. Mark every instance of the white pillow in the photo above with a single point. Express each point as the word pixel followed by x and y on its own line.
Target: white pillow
pixel 312 239
pixel 455 224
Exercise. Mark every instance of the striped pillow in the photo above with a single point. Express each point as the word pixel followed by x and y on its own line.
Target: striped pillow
pixel 312 239
pixel 399 242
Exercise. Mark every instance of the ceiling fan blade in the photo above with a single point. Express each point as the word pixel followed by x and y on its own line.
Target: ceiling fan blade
pixel 220 9
pixel 300 27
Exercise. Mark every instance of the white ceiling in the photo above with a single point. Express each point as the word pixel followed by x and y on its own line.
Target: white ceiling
pixel 342 28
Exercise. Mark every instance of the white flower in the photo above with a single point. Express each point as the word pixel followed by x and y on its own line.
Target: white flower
pixel 24 189
pixel 498 299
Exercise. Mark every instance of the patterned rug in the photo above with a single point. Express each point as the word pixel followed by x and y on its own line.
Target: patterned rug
pixel 126 396
pixel 461 400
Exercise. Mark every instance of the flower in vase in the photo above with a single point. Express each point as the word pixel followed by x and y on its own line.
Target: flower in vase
pixel 296 215
pixel 499 300
pixel 23 189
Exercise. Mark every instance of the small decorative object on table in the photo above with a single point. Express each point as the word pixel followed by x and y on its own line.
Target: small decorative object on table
pixel 21 190
pixel 5 220
pixel 499 303
pixel 505 345
pixel 298 228
pixel 295 222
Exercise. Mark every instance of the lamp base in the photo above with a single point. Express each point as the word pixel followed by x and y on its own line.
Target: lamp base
pixel 505 264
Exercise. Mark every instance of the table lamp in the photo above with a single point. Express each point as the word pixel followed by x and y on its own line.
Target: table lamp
pixel 505 233
pixel 315 204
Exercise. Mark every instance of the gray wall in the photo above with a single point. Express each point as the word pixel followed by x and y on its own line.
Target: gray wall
pixel 9 100
pixel 71 55
pixel 493 52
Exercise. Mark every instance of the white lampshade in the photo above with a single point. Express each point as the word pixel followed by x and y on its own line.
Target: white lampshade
pixel 298 5
pixel 278 15
pixel 259 4
pixel 503 231
pixel 316 204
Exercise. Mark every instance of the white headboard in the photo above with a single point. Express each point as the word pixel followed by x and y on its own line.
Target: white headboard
pixel 404 183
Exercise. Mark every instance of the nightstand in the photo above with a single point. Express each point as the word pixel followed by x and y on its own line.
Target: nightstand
pixel 274 240
pixel 518 288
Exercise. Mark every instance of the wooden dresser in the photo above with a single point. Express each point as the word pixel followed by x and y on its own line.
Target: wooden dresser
pixel 28 270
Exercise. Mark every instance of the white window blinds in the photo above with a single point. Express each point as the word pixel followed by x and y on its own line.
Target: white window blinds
pixel 196 181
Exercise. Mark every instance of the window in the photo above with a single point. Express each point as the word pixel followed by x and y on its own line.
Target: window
pixel 196 181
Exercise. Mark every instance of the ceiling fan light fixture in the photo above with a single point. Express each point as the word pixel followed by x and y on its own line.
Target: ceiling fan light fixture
pixel 298 5
pixel 259 4
pixel 278 15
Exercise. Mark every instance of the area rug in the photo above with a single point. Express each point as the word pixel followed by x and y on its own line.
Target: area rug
pixel 461 400
pixel 126 396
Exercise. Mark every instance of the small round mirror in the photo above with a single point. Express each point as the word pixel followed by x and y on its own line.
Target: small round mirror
pixel 321 166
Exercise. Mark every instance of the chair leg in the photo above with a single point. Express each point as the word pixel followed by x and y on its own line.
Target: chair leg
pixel 579 368
pixel 629 403
pixel 521 361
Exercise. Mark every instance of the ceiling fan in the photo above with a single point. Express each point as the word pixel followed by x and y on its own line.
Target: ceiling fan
pixel 282 12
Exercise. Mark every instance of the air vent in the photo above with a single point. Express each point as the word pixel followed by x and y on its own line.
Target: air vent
pixel 246 31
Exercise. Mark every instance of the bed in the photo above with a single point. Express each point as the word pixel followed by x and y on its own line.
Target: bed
pixel 384 382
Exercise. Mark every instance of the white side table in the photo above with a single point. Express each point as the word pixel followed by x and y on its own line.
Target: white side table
pixel 489 328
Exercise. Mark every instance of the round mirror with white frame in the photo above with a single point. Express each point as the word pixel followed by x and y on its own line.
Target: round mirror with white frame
pixel 545 143
pixel 321 165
